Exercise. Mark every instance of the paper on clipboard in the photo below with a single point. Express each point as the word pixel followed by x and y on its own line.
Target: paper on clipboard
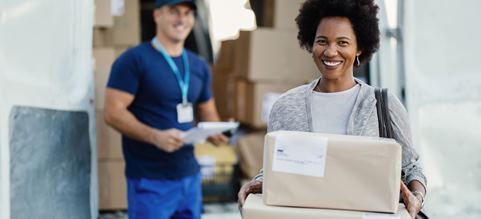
pixel 206 129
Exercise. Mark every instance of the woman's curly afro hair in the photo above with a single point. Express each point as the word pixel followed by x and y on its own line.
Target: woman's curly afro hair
pixel 361 13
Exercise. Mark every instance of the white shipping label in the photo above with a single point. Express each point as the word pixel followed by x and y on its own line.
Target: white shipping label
pixel 300 155
pixel 380 216
pixel 117 7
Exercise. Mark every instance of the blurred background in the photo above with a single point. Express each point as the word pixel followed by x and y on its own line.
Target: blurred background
pixel 58 159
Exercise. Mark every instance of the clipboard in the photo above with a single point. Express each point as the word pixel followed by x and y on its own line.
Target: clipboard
pixel 206 129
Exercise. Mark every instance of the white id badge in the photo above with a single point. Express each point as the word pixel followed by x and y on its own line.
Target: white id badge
pixel 185 113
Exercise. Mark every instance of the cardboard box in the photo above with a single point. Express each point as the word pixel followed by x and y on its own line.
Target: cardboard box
pixel 112 185
pixel 273 55
pixel 126 28
pixel 254 208
pixel 226 57
pixel 281 14
pixel 248 102
pixel 224 78
pixel 224 91
pixel 344 172
pixel 254 100
pixel 99 38
pixel 103 59
pixel 251 149
pixel 109 140
pixel 103 16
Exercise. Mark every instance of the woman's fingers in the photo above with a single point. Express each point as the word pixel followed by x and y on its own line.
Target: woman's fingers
pixel 409 200
pixel 405 192
pixel 251 187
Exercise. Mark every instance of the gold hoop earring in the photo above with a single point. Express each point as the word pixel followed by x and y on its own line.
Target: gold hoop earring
pixel 358 63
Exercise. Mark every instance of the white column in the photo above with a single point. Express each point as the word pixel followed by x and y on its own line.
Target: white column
pixel 46 62
pixel 444 101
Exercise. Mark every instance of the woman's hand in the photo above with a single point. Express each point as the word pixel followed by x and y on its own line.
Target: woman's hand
pixel 253 186
pixel 412 202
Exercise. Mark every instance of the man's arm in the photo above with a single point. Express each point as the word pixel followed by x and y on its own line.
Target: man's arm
pixel 117 115
pixel 207 112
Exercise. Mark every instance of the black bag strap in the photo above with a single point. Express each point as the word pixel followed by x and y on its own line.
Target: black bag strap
pixel 383 115
pixel 385 125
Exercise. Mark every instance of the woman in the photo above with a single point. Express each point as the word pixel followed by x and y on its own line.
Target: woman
pixel 341 34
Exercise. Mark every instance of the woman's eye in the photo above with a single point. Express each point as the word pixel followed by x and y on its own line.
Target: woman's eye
pixel 321 42
pixel 343 43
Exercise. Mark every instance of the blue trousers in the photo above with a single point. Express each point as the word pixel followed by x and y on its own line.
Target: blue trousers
pixel 165 198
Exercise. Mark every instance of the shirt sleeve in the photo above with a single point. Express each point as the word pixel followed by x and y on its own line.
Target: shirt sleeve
pixel 206 93
pixel 125 73
pixel 411 165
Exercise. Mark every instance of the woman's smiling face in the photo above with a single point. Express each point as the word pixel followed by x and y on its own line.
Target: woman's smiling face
pixel 335 48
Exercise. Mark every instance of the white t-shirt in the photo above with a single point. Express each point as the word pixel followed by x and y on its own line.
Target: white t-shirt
pixel 331 111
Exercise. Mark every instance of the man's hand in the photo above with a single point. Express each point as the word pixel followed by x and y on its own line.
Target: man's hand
pixel 218 139
pixel 412 203
pixel 253 186
pixel 169 140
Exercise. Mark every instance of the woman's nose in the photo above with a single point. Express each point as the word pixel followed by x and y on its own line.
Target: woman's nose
pixel 330 51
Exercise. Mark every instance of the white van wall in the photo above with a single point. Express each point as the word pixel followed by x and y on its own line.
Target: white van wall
pixel 443 79
pixel 46 105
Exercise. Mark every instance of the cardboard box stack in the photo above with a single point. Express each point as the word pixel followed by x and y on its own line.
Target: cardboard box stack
pixel 312 175
pixel 251 149
pixel 252 71
pixel 116 28
pixel 281 14
pixel 224 80
pixel 117 23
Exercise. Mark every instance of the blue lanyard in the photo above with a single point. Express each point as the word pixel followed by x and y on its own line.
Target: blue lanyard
pixel 183 83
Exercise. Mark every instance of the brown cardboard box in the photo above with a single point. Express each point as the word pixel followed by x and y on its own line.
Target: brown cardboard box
pixel 223 82
pixel 109 141
pixel 281 14
pixel 225 60
pixel 224 92
pixel 251 149
pixel 104 57
pixel 126 28
pixel 99 38
pixel 103 16
pixel 353 172
pixel 273 55
pixel 254 208
pixel 254 100
pixel 112 185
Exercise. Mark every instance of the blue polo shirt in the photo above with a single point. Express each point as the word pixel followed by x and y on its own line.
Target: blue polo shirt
pixel 143 72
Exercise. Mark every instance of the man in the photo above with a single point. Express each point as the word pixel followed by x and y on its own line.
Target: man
pixel 152 94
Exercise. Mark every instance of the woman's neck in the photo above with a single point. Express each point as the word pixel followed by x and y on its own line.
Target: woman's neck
pixel 330 86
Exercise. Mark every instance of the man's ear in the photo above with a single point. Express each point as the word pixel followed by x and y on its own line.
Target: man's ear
pixel 156 14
